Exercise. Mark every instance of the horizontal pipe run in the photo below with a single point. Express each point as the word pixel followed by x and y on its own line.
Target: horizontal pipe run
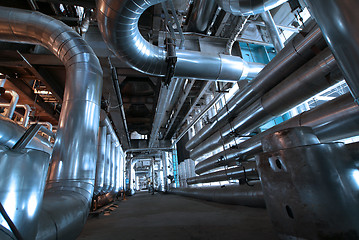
pixel 307 81
pixel 248 7
pixel 251 196
pixel 334 120
pixel 235 173
pixel 296 53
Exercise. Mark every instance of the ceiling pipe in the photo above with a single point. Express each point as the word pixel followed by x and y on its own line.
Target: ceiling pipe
pixel 310 79
pixel 72 172
pixel 248 7
pixel 337 20
pixel 118 23
pixel 296 53
pixel 272 31
pixel 26 107
pixel 331 121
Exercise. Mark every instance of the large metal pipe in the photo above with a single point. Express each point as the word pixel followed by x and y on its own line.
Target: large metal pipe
pixel 296 53
pixel 338 21
pixel 248 7
pixel 101 160
pixel 310 79
pixel 107 170
pixel 26 107
pixel 200 18
pixel 334 120
pixel 118 23
pixel 226 175
pixel 105 121
pixel 72 173
pixel 272 31
pixel 251 196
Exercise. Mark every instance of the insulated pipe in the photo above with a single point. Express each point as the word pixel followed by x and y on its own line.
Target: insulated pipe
pixel 248 7
pixel 338 21
pixel 107 174
pixel 334 120
pixel 113 166
pixel 101 160
pixel 13 102
pixel 310 79
pixel 251 196
pixel 105 121
pixel 118 169
pixel 201 15
pixel 25 120
pixel 48 129
pixel 118 23
pixel 296 53
pixel 226 175
pixel 71 176
pixel 272 31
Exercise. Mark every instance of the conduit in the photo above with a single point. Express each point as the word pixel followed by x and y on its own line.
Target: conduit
pixel 118 23
pixel 72 173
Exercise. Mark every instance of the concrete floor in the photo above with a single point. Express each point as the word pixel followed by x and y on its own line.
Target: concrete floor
pixel 167 216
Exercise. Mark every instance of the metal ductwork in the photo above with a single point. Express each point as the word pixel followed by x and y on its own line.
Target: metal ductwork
pixel 296 53
pixel 118 23
pixel 72 172
pixel 311 78
pixel 248 7
pixel 334 120
pixel 251 196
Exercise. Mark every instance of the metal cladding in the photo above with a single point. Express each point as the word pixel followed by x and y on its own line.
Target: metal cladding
pixel 101 160
pixel 311 78
pixel 22 196
pixel 251 196
pixel 251 7
pixel 334 120
pixel 72 172
pixel 296 53
pixel 13 102
pixel 118 23
pixel 337 20
pixel 200 21
pixel 306 182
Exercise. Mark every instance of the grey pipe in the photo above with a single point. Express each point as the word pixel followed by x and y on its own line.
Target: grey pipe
pixel 118 24
pixel 25 120
pixel 72 173
pixel 13 102
pixel 113 166
pixel 311 78
pixel 272 31
pixel 251 196
pixel 337 20
pixel 107 171
pixel 200 18
pixel 105 121
pixel 248 7
pixel 225 175
pixel 296 53
pixel 101 160
pixel 334 120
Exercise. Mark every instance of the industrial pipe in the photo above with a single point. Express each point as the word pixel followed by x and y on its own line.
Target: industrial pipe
pixel 118 23
pixel 310 79
pixel 248 7
pixel 12 105
pixel 337 20
pixel 200 18
pixel 296 53
pixel 272 31
pixel 334 120
pixel 25 119
pixel 101 160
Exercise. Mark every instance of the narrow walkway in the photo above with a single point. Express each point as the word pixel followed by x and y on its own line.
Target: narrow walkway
pixel 168 217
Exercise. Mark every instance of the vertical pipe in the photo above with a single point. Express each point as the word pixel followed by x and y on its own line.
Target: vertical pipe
pixel 101 159
pixel 13 102
pixel 338 21
pixel 272 31
pixel 107 172
pixel 113 166
pixel 26 116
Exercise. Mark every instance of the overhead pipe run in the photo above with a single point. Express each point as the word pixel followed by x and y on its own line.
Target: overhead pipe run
pixel 296 53
pixel 272 31
pixel 118 23
pixel 72 172
pixel 248 7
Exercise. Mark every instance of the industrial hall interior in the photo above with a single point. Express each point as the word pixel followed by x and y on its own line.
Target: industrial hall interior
pixel 179 119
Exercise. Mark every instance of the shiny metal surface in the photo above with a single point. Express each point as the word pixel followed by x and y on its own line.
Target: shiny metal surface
pixel 251 196
pixel 101 159
pixel 118 25
pixel 296 53
pixel 334 120
pixel 311 78
pixel 248 7
pixel 225 175
pixel 272 31
pixel 107 169
pixel 72 172
pixel 337 20
pixel 105 121
pixel 311 191
pixel 113 166
pixel 14 99
pixel 22 196
pixel 27 108
pixel 202 12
